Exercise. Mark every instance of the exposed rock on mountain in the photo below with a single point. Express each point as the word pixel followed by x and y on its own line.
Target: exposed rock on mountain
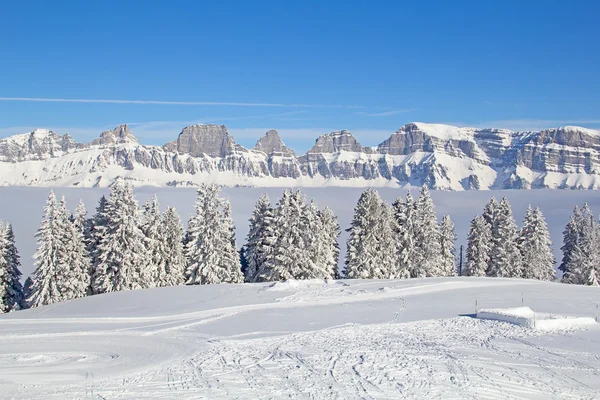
pixel 196 140
pixel 440 156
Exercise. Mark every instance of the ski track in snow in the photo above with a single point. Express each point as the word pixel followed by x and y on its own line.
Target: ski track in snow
pixel 407 353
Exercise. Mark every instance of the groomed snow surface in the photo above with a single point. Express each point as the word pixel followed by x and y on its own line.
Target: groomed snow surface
pixel 355 339
pixel 525 316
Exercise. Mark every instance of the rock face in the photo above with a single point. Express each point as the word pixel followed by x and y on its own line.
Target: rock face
pixel 439 156
pixel 120 135
pixel 196 140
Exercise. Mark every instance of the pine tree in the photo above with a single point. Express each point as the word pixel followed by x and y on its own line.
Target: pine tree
pixel 448 249
pixel 4 275
pixel 570 239
pixel 97 229
pixel 77 259
pixel 478 247
pixel 489 212
pixel 289 257
pixel 427 238
pixel 14 290
pixel 27 287
pixel 404 212
pixel 580 249
pixel 371 248
pixel 120 256
pixel 209 250
pixel 536 247
pixel 155 254
pixel 257 241
pixel 505 258
pixel 172 272
pixel 329 237
pixel 50 258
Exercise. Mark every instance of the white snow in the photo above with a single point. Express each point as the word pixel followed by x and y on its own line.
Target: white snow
pixel 525 316
pixel 446 132
pixel 358 339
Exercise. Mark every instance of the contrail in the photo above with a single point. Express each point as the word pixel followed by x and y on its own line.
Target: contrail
pixel 181 103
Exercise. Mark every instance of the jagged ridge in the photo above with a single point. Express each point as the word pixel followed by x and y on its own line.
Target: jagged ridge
pixel 440 156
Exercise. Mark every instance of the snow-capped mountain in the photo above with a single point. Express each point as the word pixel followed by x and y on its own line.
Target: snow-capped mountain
pixel 440 156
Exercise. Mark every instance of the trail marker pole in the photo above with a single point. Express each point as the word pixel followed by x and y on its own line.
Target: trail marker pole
pixel 522 302
pixel 476 306
pixel 597 311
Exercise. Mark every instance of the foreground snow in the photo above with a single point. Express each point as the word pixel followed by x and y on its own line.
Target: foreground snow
pixel 525 316
pixel 323 340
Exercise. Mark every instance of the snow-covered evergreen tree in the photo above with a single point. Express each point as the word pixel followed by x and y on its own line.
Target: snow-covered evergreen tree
pixel 4 276
pixel 290 256
pixel 582 251
pixel 155 254
pixel 371 246
pixel 27 287
pixel 257 242
pixel 428 260
pixel 172 272
pixel 405 229
pixel 479 244
pixel 97 228
pixel 50 258
pixel 448 249
pixel 120 256
pixel 329 237
pixel 77 259
pixel 211 256
pixel 11 292
pixel 536 247
pixel 570 240
pixel 489 212
pixel 505 258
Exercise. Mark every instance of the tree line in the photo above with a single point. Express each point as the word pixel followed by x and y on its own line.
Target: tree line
pixel 123 247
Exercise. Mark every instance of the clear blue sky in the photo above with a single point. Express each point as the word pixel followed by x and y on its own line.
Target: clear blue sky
pixel 366 66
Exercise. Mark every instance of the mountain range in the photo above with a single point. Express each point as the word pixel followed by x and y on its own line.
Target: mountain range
pixel 442 157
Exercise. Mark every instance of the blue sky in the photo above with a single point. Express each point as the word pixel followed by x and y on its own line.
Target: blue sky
pixel 303 68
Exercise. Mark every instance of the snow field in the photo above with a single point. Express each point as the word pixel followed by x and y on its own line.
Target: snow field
pixel 351 339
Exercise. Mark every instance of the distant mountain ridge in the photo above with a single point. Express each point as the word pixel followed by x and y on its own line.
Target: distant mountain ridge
pixel 442 157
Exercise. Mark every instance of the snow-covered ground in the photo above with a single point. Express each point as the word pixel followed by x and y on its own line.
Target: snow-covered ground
pixel 24 206
pixel 393 339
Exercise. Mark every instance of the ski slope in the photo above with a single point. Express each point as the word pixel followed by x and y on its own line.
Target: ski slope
pixel 359 339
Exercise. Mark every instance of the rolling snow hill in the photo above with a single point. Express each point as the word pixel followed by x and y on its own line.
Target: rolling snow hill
pixel 440 156
pixel 356 339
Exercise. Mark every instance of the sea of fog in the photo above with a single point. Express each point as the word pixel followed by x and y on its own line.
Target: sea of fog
pixel 24 207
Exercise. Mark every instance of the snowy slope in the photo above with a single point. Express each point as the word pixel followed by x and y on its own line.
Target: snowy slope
pixel 443 157
pixel 321 340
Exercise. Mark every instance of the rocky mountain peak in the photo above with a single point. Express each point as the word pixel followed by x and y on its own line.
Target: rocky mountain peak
pixel 195 140
pixel 271 144
pixel 338 141
pixel 120 135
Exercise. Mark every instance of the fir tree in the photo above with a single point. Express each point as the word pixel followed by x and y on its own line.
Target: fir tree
pixel 427 238
pixel 50 258
pixel 211 256
pixel 97 230
pixel 367 243
pixel 505 258
pixel 478 247
pixel 4 275
pixel 14 290
pixel 536 247
pixel 120 256
pixel 329 236
pixel 257 242
pixel 172 272
pixel 489 212
pixel 570 239
pixel 77 260
pixel 404 212
pixel 448 249
pixel 289 257
pixel 155 254
pixel 581 250
pixel 27 287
